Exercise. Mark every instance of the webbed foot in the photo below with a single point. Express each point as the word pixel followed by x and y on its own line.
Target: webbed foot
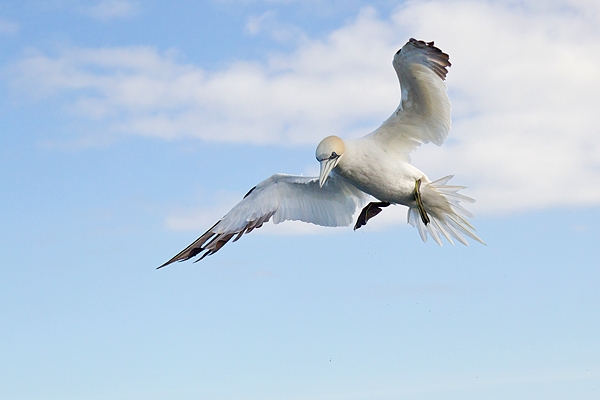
pixel 370 210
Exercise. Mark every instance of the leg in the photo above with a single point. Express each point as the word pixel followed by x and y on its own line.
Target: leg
pixel 370 210
pixel 417 194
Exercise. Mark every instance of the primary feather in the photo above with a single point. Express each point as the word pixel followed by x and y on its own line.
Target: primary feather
pixel 280 198
pixel 423 114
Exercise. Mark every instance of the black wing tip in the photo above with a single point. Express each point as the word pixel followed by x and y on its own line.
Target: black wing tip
pixel 167 263
pixel 193 249
pixel 197 252
pixel 249 191
pixel 211 242
pixel 439 60
pixel 426 45
pixel 161 266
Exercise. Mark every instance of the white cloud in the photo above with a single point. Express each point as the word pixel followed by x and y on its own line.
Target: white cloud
pixel 268 23
pixel 256 22
pixel 525 86
pixel 324 87
pixel 199 218
pixel 109 9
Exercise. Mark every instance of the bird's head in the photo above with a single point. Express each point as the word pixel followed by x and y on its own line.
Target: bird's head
pixel 329 152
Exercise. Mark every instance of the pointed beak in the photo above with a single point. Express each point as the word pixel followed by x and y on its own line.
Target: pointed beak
pixel 326 167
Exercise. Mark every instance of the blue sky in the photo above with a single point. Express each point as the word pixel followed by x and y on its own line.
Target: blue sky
pixel 129 127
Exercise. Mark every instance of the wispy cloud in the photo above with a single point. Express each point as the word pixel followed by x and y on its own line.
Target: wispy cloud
pixel 294 98
pixel 203 217
pixel 269 24
pixel 198 218
pixel 110 9
pixel 525 85
pixel 8 27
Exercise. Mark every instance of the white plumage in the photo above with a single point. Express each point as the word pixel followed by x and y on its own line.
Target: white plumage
pixel 297 198
pixel 375 165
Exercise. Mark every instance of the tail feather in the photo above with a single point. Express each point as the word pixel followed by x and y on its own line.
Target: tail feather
pixel 464 211
pixel 448 217
pixel 442 229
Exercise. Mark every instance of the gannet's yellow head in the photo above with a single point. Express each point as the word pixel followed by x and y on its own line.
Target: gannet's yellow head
pixel 329 152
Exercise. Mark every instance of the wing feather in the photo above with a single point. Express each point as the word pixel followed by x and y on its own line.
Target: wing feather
pixel 423 115
pixel 280 197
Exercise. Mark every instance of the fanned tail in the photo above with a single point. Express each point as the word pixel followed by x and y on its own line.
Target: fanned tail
pixel 444 216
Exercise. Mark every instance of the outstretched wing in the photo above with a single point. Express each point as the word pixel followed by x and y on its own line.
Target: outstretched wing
pixel 424 112
pixel 281 197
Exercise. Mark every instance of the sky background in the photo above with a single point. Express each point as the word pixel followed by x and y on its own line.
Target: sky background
pixel 127 128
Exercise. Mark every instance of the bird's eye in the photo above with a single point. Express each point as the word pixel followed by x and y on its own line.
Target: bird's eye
pixel 334 154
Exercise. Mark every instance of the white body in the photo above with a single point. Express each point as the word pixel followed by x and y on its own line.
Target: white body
pixel 390 179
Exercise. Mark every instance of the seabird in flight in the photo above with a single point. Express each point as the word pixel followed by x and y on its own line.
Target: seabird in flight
pixel 356 171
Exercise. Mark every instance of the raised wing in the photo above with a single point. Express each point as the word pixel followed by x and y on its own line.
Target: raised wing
pixel 281 197
pixel 424 112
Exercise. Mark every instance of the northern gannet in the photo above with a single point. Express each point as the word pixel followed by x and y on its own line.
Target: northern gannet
pixel 374 166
